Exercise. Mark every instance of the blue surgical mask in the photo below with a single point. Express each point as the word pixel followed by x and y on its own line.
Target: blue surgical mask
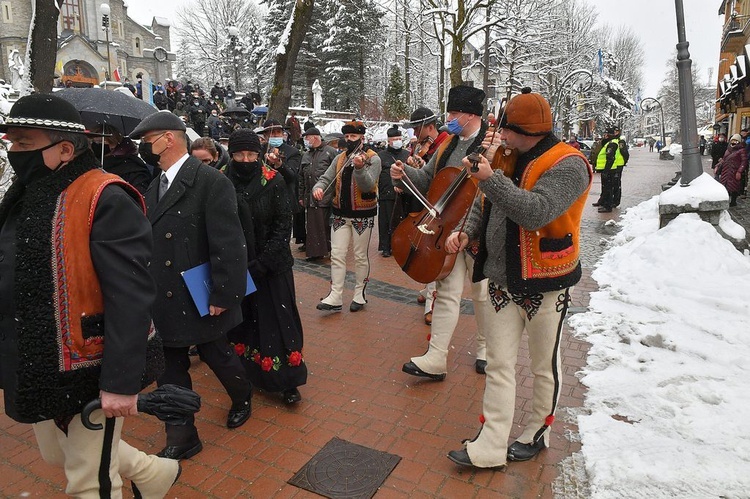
pixel 454 127
pixel 275 141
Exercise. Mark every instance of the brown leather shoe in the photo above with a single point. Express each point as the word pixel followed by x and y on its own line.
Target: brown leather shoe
pixel 428 318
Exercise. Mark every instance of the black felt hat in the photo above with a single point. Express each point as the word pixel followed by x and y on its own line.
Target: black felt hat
pixel 393 131
pixel 45 112
pixel 243 140
pixel 465 99
pixel 269 125
pixel 353 127
pixel 421 116
pixel 163 120
pixel 311 131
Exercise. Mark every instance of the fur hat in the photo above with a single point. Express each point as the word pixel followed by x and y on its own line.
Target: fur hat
pixel 353 127
pixel 45 112
pixel 465 99
pixel 243 140
pixel 163 120
pixel 393 131
pixel 528 114
pixel 420 116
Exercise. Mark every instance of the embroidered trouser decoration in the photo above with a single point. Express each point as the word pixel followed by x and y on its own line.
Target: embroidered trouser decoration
pixel 346 231
pixel 541 317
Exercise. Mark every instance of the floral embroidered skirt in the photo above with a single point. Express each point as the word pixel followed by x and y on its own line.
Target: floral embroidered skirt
pixel 269 340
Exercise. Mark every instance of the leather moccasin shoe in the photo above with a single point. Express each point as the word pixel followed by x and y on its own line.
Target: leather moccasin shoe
pixel 356 306
pixel 480 366
pixel 239 414
pixel 184 451
pixel 411 368
pixel 523 452
pixel 461 458
pixel 328 308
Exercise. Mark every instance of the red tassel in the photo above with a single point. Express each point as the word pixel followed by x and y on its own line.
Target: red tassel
pixel 481 418
pixel 549 420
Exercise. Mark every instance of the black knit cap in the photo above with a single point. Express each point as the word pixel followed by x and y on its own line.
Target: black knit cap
pixel 465 99
pixel 45 112
pixel 353 127
pixel 421 116
pixel 394 131
pixel 243 140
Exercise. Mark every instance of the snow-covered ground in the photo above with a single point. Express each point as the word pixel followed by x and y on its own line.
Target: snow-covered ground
pixel 669 366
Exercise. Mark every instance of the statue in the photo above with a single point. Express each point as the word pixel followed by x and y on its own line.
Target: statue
pixel 317 91
pixel 17 69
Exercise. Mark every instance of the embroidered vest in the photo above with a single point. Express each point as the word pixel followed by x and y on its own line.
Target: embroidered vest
pixel 360 201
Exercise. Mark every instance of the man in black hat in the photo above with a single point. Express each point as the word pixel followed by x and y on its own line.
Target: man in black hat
pixel 193 214
pixel 286 159
pixel 315 162
pixel 465 107
pixel 75 299
pixel 386 195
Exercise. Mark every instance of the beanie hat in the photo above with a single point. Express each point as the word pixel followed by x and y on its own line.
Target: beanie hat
pixel 465 99
pixel 528 114
pixel 736 137
pixel 46 112
pixel 353 127
pixel 243 140
pixel 394 131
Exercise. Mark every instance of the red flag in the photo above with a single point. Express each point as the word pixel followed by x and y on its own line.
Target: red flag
pixel 116 74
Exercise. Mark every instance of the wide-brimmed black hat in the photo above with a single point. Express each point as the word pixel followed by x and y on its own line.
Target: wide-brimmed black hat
pixel 465 99
pixel 421 116
pixel 163 120
pixel 44 112
pixel 269 125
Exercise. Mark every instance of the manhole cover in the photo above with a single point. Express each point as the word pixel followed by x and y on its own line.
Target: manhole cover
pixel 342 469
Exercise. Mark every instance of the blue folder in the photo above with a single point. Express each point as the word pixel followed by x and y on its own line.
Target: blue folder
pixel 199 284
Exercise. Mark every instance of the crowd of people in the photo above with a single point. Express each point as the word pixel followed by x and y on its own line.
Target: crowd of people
pixel 127 232
pixel 729 160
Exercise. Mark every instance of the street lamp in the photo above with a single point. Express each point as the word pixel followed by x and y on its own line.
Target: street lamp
pixel 105 25
pixel 691 160
pixel 663 141
pixel 233 32
pixel 584 80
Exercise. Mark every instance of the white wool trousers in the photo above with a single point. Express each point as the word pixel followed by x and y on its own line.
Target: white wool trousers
pixel 345 232
pixel 445 312
pixel 541 315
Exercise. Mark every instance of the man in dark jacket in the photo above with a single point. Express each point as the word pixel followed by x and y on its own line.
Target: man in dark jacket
pixel 75 322
pixel 286 159
pixel 314 164
pixel 193 214
pixel 386 195
pixel 119 155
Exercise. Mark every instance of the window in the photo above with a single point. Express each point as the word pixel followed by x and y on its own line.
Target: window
pixel 120 28
pixel 70 13
pixel 137 49
pixel 7 12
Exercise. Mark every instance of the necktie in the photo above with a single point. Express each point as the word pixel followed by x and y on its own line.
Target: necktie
pixel 163 185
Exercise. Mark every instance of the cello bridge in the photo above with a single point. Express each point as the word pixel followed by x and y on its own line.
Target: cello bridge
pixel 425 230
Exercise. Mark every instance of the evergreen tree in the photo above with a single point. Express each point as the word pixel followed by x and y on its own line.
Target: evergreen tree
pixel 395 103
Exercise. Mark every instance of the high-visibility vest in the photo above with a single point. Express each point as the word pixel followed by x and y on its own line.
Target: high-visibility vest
pixel 601 159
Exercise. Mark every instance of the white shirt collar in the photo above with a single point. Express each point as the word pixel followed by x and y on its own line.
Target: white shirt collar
pixel 173 170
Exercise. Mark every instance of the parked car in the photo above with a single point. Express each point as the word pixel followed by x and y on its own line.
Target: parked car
pixel 586 146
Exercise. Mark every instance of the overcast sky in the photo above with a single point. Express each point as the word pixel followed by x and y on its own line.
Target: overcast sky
pixel 654 21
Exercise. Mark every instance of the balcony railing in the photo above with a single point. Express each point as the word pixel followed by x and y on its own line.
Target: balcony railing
pixel 736 27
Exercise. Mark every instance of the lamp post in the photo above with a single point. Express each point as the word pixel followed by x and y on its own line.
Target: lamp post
pixel 105 25
pixel 663 141
pixel 691 161
pixel 233 32
pixel 585 81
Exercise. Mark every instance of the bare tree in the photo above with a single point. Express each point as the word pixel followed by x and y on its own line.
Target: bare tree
pixel 286 58
pixel 42 51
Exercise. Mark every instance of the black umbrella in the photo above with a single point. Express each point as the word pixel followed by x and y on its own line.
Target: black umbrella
pixel 170 403
pixel 236 112
pixel 99 106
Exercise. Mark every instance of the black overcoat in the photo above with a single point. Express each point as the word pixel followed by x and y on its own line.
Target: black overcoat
pixel 196 222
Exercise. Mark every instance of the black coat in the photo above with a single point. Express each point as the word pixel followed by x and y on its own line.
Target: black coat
pixel 290 169
pixel 131 169
pixel 196 222
pixel 388 156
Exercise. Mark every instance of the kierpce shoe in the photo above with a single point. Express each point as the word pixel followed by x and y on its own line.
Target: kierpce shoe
pixel 523 452
pixel 461 458
pixel 411 368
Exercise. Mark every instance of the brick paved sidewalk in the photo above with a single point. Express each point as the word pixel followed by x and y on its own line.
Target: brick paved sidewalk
pixel 356 391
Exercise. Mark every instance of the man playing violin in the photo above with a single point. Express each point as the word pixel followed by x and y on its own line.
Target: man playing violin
pixel 427 140
pixel 466 129
pixel 529 228
pixel 353 176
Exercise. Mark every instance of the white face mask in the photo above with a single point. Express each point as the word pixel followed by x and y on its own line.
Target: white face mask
pixel 397 144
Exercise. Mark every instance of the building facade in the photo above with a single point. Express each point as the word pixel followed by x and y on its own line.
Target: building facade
pixel 733 86
pixel 87 53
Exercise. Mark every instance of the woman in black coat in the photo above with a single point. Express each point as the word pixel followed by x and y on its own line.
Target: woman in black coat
pixel 270 339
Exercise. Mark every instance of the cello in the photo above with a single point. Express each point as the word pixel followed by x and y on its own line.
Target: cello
pixel 418 243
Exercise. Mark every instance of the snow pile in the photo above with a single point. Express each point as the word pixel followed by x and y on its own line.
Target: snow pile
pixel 701 188
pixel 668 366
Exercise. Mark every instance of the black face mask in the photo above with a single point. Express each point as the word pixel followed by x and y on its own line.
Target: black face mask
pixel 351 145
pixel 29 165
pixel 145 150
pixel 98 147
pixel 245 169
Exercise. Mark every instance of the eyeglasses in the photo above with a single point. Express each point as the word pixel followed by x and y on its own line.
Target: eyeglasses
pixel 734 142
pixel 143 139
